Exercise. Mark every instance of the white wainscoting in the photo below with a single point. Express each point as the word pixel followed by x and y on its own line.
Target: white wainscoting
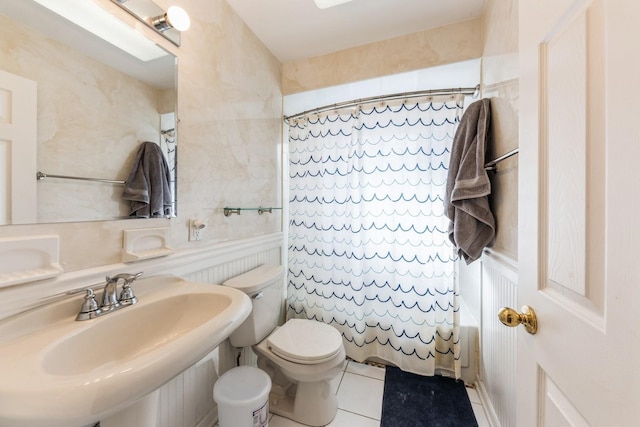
pixel 499 345
pixel 187 400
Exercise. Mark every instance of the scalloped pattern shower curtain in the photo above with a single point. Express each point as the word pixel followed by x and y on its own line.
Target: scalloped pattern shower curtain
pixel 368 246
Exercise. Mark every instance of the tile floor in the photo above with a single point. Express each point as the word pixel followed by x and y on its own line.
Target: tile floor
pixel 360 389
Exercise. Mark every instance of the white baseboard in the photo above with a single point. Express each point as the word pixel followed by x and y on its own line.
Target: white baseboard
pixel 489 411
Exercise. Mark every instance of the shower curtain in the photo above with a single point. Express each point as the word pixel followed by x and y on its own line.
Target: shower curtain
pixel 368 246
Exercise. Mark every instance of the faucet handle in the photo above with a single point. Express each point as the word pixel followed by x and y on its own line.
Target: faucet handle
pixel 89 308
pixel 127 296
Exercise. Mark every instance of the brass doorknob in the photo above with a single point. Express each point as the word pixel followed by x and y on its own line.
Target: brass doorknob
pixel 510 317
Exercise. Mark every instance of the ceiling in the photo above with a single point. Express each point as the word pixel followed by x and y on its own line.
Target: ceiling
pixel 296 29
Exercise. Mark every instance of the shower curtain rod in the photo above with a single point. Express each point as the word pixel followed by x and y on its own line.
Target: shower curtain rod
pixel 474 91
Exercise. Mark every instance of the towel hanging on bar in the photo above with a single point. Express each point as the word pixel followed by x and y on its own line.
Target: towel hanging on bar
pixel 147 185
pixel 472 225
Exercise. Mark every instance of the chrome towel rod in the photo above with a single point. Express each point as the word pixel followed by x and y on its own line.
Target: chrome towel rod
pixel 40 176
pixel 491 166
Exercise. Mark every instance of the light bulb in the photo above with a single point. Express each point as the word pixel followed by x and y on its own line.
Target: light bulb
pixel 178 18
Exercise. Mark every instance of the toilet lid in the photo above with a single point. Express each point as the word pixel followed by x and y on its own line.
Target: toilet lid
pixel 305 341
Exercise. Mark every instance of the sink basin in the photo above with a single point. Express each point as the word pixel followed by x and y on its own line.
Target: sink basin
pixel 60 372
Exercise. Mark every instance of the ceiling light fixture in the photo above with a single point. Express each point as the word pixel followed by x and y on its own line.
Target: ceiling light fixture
pixel 175 17
pixel 324 4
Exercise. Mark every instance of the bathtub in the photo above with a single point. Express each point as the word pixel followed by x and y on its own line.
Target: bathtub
pixel 469 347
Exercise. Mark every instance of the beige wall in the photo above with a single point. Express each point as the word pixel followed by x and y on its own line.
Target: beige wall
pixel 439 46
pixel 229 107
pixel 500 83
pixel 230 110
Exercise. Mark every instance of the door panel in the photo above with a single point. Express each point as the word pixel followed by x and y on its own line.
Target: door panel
pixel 563 86
pixel 557 408
pixel 571 144
pixel 18 152
pixel 579 205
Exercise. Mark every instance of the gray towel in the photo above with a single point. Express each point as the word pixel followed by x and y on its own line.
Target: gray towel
pixel 147 186
pixel 472 225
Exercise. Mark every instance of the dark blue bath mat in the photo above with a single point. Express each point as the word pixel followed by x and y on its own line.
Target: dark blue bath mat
pixel 412 400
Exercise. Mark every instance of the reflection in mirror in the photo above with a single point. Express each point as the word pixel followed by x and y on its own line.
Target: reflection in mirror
pixel 72 104
pixel 169 24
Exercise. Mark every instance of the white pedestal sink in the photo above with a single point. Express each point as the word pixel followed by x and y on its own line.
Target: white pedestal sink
pixel 57 371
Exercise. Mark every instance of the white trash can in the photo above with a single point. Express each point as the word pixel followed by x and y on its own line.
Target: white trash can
pixel 242 395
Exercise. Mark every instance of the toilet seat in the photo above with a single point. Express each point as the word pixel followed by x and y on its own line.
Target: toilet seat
pixel 305 341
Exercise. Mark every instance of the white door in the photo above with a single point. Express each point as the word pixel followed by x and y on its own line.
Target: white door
pixel 18 116
pixel 579 213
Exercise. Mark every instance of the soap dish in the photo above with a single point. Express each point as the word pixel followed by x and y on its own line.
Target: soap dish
pixel 146 243
pixel 26 259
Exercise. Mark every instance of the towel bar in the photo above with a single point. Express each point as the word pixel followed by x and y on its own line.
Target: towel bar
pixel 229 211
pixel 40 176
pixel 491 166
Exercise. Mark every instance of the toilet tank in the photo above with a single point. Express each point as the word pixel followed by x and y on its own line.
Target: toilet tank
pixel 264 286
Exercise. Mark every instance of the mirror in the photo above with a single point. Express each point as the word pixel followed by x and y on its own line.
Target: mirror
pixel 95 104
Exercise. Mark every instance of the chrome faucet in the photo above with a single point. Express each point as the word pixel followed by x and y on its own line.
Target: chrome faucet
pixel 110 299
pixel 109 295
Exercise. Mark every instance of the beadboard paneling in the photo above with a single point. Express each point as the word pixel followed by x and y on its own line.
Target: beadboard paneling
pixel 187 400
pixel 499 345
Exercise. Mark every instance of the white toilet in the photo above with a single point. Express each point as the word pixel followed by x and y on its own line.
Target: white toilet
pixel 301 357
